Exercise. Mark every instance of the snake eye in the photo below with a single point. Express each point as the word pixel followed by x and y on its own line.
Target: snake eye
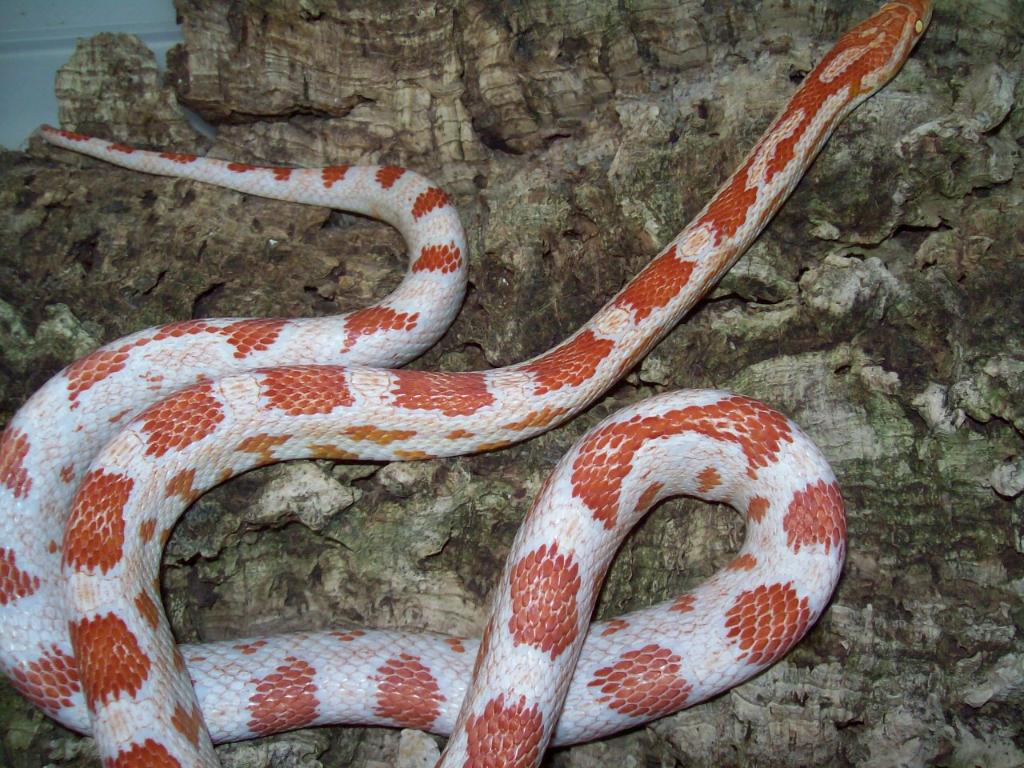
pixel 919 26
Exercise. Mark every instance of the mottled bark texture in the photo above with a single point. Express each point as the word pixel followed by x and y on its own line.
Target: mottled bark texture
pixel 882 310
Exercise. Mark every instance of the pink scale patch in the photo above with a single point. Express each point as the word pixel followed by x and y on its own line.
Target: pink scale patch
pixel 570 363
pixel 438 258
pixel 765 622
pixel 504 736
pixel 251 336
pixel 14 582
pixel 371 320
pixel 606 457
pixel 453 394
pixel 407 693
pixel 815 516
pixel 183 328
pixel 50 682
pixel 87 371
pixel 180 420
pixel 613 626
pixel 388 175
pixel 178 157
pixel 94 538
pixel 644 683
pixel 332 174
pixel 14 476
pixel 148 754
pixel 427 201
pixel 110 662
pixel 655 286
pixel 544 585
pixel 305 390
pixel 284 699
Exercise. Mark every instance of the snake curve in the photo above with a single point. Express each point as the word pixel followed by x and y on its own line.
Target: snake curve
pixel 98 465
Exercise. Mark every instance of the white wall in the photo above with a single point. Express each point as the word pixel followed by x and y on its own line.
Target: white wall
pixel 38 36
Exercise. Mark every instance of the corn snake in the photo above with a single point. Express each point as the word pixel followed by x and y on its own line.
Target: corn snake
pixel 394 414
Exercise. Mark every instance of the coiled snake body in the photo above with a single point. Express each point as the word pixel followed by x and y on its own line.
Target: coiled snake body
pixel 99 464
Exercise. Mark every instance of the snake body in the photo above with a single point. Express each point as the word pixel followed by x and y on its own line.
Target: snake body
pixel 98 465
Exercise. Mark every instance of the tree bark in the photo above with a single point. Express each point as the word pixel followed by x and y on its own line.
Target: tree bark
pixel 882 310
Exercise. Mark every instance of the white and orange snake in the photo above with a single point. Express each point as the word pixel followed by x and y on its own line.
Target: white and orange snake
pixel 99 464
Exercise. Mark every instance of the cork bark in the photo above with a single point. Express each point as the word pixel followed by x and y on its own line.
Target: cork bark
pixel 882 310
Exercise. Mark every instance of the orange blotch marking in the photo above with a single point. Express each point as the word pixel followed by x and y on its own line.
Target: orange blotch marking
pixel 284 699
pixel 50 681
pixel 251 336
pixel 656 285
pixel 14 475
pixel 305 390
pixel 148 754
pixel 615 625
pixel 67 472
pixel 122 148
pixel 643 683
pixel 815 516
pixel 248 649
pixel 188 724
pixel 708 480
pixel 497 445
pixel 110 661
pixel 147 608
pixel 73 136
pixel 438 258
pixel 371 320
pixel 375 435
pixel 332 174
pixel 504 736
pixel 94 537
pixel 542 418
pixel 765 622
pixel 52 548
pixel 182 485
pixel 544 585
pixel 427 201
pixel 241 167
pixel 117 417
pixel 388 175
pixel 485 647
pixel 407 693
pixel 745 562
pixel 456 644
pixel 328 451
pixel 147 529
pixel 758 508
pixel 178 157
pixel 262 445
pixel 606 457
pixel 649 496
pixel 683 603
pixel 281 174
pixel 453 394
pixel 570 363
pixel 349 635
pixel 458 434
pixel 180 420
pixel 413 455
